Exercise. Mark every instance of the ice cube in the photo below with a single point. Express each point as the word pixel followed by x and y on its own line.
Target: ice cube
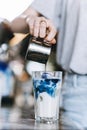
pixel 46 75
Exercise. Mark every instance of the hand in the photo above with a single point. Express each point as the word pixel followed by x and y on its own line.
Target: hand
pixel 42 27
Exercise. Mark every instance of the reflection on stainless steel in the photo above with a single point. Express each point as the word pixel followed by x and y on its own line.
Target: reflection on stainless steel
pixel 23 119
pixel 38 50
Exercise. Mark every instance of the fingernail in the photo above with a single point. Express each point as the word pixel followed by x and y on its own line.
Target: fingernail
pixel 45 40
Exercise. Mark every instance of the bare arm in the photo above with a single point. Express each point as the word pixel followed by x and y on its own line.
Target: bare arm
pixel 30 21
pixel 19 24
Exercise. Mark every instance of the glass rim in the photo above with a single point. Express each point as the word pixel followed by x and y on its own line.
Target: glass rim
pixel 47 71
pixel 54 74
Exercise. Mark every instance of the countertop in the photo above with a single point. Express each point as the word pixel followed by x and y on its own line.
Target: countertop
pixel 14 118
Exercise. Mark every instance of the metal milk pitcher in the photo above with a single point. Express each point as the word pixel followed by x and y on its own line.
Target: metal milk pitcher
pixel 38 50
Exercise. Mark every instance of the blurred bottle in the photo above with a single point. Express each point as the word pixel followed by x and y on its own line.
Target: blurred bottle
pixel 6 84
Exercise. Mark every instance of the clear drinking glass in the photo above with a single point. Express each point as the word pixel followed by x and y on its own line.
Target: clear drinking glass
pixel 47 87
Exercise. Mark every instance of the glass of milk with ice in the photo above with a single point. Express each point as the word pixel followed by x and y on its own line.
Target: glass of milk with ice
pixel 47 88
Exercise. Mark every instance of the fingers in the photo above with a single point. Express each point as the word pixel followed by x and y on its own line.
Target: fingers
pixel 36 28
pixel 52 32
pixel 53 41
pixel 39 28
pixel 42 27
pixel 30 22
pixel 42 31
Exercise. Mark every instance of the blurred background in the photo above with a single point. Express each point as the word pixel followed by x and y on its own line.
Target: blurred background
pixel 11 8
pixel 15 72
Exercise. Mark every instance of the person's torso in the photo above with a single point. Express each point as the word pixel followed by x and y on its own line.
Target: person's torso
pixel 72 41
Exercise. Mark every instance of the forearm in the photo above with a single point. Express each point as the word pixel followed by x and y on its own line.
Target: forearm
pixel 29 22
pixel 19 24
